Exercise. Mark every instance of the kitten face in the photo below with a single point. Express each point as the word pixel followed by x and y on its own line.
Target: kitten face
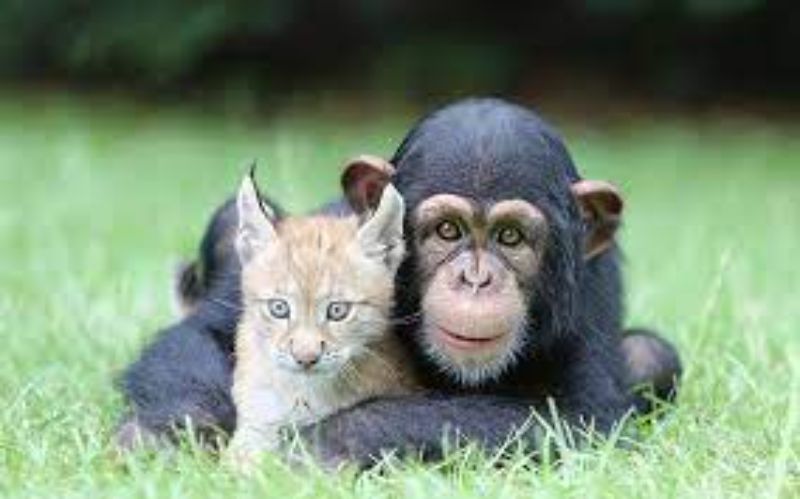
pixel 315 298
pixel 318 291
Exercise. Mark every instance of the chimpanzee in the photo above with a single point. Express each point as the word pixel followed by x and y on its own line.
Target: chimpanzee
pixel 510 300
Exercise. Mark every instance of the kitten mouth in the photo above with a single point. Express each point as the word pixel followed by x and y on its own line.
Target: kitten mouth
pixel 306 371
pixel 296 369
pixel 311 372
pixel 463 342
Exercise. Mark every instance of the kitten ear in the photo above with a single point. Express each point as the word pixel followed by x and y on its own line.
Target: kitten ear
pixel 381 235
pixel 255 230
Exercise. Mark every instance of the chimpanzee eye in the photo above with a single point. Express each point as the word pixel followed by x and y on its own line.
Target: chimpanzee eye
pixel 338 310
pixel 279 308
pixel 448 230
pixel 509 236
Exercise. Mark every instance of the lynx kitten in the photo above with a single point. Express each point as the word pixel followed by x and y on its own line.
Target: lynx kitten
pixel 314 335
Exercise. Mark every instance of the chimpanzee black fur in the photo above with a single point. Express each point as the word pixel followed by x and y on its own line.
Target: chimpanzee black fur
pixel 186 372
pixel 488 150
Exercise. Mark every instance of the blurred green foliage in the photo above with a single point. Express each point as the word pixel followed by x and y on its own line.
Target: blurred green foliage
pixel 146 39
pixel 673 46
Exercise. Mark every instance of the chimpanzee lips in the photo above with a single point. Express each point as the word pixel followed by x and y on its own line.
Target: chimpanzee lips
pixel 463 342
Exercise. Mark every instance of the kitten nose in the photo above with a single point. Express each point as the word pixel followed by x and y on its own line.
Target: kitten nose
pixel 306 352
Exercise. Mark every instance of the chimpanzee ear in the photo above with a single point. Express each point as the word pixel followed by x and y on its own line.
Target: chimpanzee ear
pixel 381 235
pixel 601 208
pixel 363 181
pixel 255 230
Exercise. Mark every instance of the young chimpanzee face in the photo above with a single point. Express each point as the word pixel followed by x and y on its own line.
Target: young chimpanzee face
pixel 481 283
pixel 478 265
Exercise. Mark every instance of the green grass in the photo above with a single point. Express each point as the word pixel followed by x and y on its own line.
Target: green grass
pixel 98 200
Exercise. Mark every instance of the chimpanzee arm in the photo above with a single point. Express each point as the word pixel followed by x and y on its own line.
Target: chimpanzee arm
pixel 594 393
pixel 421 426
pixel 588 391
pixel 653 368
pixel 185 374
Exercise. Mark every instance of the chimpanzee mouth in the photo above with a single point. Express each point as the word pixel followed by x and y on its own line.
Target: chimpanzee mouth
pixel 462 342
pixel 469 360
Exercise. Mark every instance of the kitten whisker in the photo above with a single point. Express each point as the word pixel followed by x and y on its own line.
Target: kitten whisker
pixel 390 367
pixel 226 304
pixel 406 320
pixel 350 374
pixel 396 321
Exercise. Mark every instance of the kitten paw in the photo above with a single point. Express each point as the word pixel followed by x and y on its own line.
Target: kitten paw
pixel 242 461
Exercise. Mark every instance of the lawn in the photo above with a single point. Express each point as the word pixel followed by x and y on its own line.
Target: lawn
pixel 101 198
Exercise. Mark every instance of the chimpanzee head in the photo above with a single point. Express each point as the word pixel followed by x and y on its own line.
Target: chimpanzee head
pixel 499 226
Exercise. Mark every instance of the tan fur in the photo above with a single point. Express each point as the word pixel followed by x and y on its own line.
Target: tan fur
pixel 315 259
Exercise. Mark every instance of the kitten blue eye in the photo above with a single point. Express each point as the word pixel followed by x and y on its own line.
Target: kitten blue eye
pixel 338 310
pixel 279 308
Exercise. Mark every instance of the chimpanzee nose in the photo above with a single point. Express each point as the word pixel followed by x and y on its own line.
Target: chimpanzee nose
pixel 306 353
pixel 476 277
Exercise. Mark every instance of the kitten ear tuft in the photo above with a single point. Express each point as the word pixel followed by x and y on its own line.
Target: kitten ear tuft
pixel 381 235
pixel 255 230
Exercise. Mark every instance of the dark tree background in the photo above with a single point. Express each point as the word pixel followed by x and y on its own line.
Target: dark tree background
pixel 687 50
